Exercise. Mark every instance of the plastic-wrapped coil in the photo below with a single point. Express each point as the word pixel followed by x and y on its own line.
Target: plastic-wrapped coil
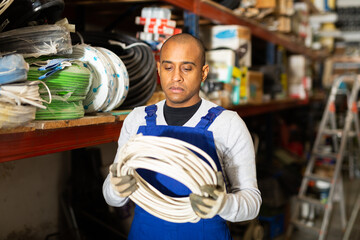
pixel 15 115
pixel 121 82
pixel 26 93
pixel 69 88
pixel 73 81
pixel 138 59
pixel 99 92
pixel 13 68
pixel 22 12
pixel 36 41
pixel 232 4
pixel 61 110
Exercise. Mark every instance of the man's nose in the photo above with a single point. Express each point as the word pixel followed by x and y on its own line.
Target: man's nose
pixel 177 76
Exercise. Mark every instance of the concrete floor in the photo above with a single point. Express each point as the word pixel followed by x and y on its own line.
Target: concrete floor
pixel 335 231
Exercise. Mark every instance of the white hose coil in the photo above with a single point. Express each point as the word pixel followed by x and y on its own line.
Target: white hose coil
pixel 99 90
pixel 173 158
pixel 120 79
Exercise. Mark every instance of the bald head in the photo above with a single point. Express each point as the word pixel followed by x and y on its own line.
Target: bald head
pixel 185 38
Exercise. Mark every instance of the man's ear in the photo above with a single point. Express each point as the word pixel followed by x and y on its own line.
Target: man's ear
pixel 205 72
pixel 158 67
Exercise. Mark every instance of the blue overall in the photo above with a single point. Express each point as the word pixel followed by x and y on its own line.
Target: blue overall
pixel 146 226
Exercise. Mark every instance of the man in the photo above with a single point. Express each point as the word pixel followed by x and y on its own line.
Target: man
pixel 219 132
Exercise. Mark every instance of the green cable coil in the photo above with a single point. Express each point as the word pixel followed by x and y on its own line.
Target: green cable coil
pixel 68 88
pixel 60 110
pixel 73 80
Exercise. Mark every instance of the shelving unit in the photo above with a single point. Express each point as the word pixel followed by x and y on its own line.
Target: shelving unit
pixel 44 137
pixel 218 13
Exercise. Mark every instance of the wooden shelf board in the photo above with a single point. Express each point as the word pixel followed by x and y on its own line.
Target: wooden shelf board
pixel 14 146
pixel 345 59
pixel 62 135
pixel 248 110
pixel 87 120
pixel 92 2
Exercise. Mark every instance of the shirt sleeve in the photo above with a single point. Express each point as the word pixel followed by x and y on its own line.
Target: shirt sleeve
pixel 237 155
pixel 128 129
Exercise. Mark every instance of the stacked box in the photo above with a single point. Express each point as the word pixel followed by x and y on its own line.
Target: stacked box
pixel 157 26
pixel 235 37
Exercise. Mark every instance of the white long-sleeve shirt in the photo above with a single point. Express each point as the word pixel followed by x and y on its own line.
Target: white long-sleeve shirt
pixel 235 150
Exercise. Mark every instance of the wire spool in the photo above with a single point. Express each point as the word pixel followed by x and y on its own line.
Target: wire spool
pixel 36 41
pixel 19 13
pixel 61 110
pixel 24 93
pixel 13 68
pixel 18 103
pixel 232 4
pixel 4 5
pixel 69 88
pixel 15 115
pixel 174 158
pixel 121 83
pixel 73 81
pixel 138 59
pixel 99 92
pixel 110 72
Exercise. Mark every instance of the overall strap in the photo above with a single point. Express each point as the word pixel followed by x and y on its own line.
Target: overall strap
pixel 150 115
pixel 206 120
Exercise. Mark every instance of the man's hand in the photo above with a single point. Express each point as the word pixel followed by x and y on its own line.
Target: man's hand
pixel 208 207
pixel 124 185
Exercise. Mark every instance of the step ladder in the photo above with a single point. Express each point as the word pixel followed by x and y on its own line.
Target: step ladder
pixel 339 137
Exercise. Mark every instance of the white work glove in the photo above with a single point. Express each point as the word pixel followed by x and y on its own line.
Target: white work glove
pixel 208 207
pixel 124 185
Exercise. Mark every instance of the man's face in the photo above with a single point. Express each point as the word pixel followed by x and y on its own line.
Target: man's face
pixel 181 73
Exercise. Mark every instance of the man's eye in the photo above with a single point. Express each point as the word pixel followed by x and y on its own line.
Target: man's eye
pixel 167 67
pixel 186 69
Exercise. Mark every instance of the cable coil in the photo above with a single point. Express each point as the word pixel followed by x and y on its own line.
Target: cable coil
pixel 174 158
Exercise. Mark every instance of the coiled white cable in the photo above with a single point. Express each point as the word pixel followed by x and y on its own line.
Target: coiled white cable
pixel 24 93
pixel 174 158
pixel 4 5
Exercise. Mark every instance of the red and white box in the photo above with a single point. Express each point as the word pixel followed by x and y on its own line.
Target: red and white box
pixel 161 29
pixel 145 36
pixel 155 21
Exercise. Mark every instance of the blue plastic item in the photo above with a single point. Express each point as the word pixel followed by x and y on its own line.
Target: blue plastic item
pixel 275 223
pixel 13 68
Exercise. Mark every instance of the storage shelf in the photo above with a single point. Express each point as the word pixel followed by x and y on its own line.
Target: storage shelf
pixel 248 110
pixel 92 2
pixel 220 14
pixel 44 137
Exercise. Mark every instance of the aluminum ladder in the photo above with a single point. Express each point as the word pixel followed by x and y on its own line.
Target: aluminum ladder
pixel 328 129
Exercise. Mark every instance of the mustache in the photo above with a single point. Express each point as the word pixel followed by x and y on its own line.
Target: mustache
pixel 176 85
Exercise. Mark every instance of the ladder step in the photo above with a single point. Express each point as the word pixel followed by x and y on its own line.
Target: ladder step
pixel 338 132
pixel 342 92
pixel 303 226
pixel 311 201
pixel 317 177
pixel 325 155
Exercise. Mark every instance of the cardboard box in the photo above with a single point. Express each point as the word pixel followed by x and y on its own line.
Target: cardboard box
pixel 265 4
pixel 285 7
pixel 256 84
pixel 234 37
pixel 284 24
pixel 220 62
